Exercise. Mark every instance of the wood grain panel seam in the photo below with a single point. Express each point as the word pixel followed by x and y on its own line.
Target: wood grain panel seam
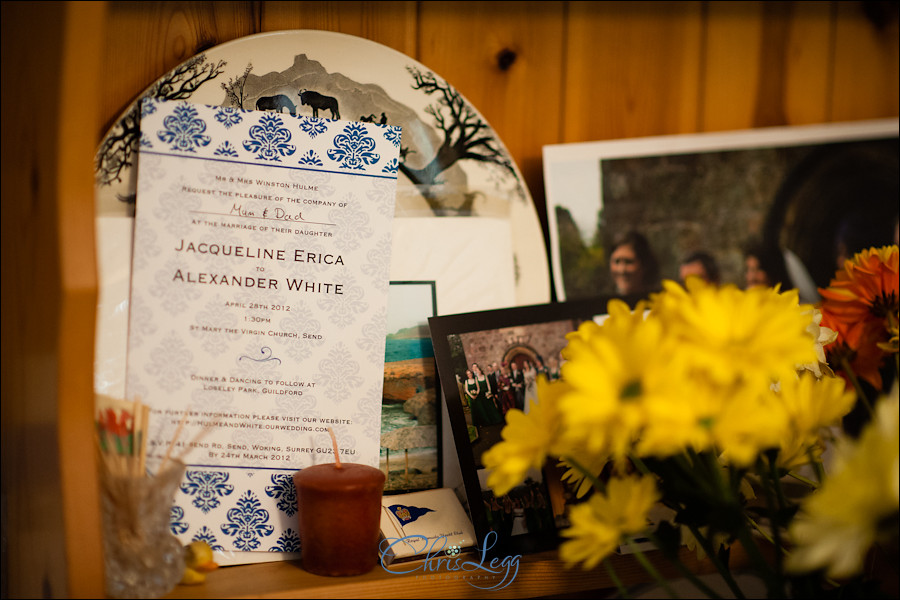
pixel 257 11
pixel 830 72
pixel 418 26
pixel 563 80
pixel 702 57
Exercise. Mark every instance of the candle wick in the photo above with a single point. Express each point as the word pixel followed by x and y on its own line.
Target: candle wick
pixel 337 459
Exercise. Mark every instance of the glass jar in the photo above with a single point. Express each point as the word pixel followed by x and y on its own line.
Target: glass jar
pixel 143 559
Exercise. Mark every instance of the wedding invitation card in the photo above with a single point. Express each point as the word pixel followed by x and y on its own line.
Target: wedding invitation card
pixel 261 262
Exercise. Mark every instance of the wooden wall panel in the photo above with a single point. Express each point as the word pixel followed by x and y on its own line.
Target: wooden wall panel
pixel 866 79
pixel 632 69
pixel 808 68
pixel 390 23
pixel 145 40
pixel 604 70
pixel 82 51
pixel 31 485
pixel 51 516
pixel 732 70
pixel 505 58
pixel 766 64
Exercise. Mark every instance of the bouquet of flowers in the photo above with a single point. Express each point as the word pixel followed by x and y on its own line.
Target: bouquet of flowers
pixel 706 405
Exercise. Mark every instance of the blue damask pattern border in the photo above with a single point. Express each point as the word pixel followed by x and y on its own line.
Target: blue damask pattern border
pixel 249 137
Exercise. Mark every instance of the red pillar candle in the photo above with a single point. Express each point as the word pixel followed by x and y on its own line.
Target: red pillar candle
pixel 340 517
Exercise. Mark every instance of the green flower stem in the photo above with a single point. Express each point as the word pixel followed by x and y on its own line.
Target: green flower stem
pixel 896 363
pixel 892 322
pixel 687 464
pixel 623 591
pixel 767 478
pixel 715 472
pixel 639 465
pixel 817 467
pixel 102 439
pixel 860 393
pixel 779 489
pixel 723 569
pixel 703 475
pixel 688 574
pixel 756 526
pixel 774 587
pixel 735 478
pixel 598 485
pixel 781 504
pixel 662 581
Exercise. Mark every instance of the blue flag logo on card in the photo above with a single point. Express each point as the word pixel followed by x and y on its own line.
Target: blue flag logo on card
pixel 407 514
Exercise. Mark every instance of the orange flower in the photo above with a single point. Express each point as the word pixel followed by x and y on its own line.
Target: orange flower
pixel 861 305
pixel 864 360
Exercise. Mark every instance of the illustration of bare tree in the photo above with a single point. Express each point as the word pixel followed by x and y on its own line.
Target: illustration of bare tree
pixel 234 89
pixel 118 149
pixel 466 137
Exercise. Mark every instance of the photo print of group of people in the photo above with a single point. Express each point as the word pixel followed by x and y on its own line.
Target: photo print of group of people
pixel 768 206
pixel 489 363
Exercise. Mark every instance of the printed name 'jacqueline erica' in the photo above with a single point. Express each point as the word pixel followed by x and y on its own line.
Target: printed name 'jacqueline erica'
pixel 250 252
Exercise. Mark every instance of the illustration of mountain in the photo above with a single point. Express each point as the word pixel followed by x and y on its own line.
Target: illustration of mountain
pixel 355 100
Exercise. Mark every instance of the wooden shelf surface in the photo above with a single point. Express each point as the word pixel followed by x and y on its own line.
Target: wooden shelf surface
pixel 538 575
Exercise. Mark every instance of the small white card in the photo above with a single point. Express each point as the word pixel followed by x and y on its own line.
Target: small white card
pixel 429 522
pixel 260 274
pixel 470 259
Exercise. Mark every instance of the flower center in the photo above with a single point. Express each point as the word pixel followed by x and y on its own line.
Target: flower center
pixel 631 390
pixel 884 305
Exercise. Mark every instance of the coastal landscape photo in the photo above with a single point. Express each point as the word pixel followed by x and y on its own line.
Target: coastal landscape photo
pixel 410 456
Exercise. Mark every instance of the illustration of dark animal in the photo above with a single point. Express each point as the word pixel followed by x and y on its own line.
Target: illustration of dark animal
pixel 319 102
pixel 367 119
pixel 276 103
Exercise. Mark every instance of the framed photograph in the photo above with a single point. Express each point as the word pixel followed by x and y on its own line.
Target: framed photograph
pixel 488 363
pixel 804 196
pixel 410 413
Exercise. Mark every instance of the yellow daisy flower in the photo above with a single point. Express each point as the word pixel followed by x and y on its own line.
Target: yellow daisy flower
pixel 750 422
pixel 839 523
pixel 599 524
pixel 613 370
pixel 681 420
pixel 719 540
pixel 527 439
pixel 811 405
pixel 593 463
pixel 815 403
pixel 734 335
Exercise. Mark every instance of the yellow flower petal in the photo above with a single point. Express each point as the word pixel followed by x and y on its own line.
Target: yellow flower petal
pixel 841 520
pixel 527 439
pixel 599 524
